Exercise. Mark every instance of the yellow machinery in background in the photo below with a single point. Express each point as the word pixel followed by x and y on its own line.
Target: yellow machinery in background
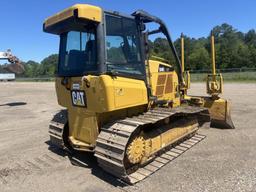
pixel 132 112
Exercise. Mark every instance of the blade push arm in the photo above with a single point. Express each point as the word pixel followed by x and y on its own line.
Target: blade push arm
pixel 214 80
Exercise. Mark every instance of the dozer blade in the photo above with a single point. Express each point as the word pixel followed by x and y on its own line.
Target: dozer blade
pixel 220 112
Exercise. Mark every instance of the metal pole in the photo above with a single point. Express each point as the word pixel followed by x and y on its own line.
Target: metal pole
pixel 213 55
pixel 182 53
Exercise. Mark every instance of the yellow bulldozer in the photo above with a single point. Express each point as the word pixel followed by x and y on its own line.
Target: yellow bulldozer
pixel 132 112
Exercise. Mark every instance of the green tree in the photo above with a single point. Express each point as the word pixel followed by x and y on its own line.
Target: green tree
pixel 200 59
pixel 252 51
pixel 31 69
pixel 250 38
pixel 49 65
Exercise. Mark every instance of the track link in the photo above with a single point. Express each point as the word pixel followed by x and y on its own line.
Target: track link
pixel 56 128
pixel 113 139
pixel 163 159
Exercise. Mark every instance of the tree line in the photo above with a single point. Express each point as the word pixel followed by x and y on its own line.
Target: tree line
pixel 234 49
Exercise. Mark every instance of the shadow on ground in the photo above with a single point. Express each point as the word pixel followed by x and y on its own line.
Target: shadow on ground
pixel 88 161
pixel 13 104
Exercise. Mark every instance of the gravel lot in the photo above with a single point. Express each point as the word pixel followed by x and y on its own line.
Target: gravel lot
pixel 224 161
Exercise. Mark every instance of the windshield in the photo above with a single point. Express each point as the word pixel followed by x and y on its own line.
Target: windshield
pixel 77 53
pixel 123 46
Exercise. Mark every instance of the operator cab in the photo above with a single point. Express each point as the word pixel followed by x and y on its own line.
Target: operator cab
pixel 94 42
pixel 82 51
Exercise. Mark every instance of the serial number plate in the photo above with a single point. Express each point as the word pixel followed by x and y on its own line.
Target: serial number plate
pixel 78 98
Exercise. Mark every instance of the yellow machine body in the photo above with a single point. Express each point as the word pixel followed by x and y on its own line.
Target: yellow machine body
pixel 219 109
pixel 83 12
pixel 185 74
pixel 118 103
pixel 164 82
pixel 104 93
pixel 107 98
pixel 110 98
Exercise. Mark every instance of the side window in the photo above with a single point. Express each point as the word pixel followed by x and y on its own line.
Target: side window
pixel 123 45
pixel 114 40
pixel 78 52
pixel 74 42
pixel 81 48
pixel 114 49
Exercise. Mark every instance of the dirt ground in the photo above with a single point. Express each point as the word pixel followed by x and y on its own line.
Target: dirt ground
pixel 224 161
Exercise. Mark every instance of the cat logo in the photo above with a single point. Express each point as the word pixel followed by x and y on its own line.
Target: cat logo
pixel 78 98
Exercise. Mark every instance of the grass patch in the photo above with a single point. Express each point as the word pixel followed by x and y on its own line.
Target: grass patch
pixel 228 77
pixel 195 77
pixel 44 79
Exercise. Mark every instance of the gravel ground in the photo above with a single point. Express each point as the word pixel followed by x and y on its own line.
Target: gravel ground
pixel 224 161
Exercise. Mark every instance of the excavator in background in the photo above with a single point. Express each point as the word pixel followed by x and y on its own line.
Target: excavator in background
pixel 132 112
pixel 15 65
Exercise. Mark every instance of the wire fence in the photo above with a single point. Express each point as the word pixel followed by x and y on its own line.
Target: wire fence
pixel 35 79
pixel 229 70
pixel 231 74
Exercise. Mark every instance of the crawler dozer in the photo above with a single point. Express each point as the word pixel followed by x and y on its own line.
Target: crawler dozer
pixel 132 112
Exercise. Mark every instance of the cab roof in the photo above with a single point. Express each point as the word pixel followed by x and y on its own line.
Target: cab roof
pixel 56 23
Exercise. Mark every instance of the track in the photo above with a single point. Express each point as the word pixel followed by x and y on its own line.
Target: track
pixel 56 128
pixel 114 137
